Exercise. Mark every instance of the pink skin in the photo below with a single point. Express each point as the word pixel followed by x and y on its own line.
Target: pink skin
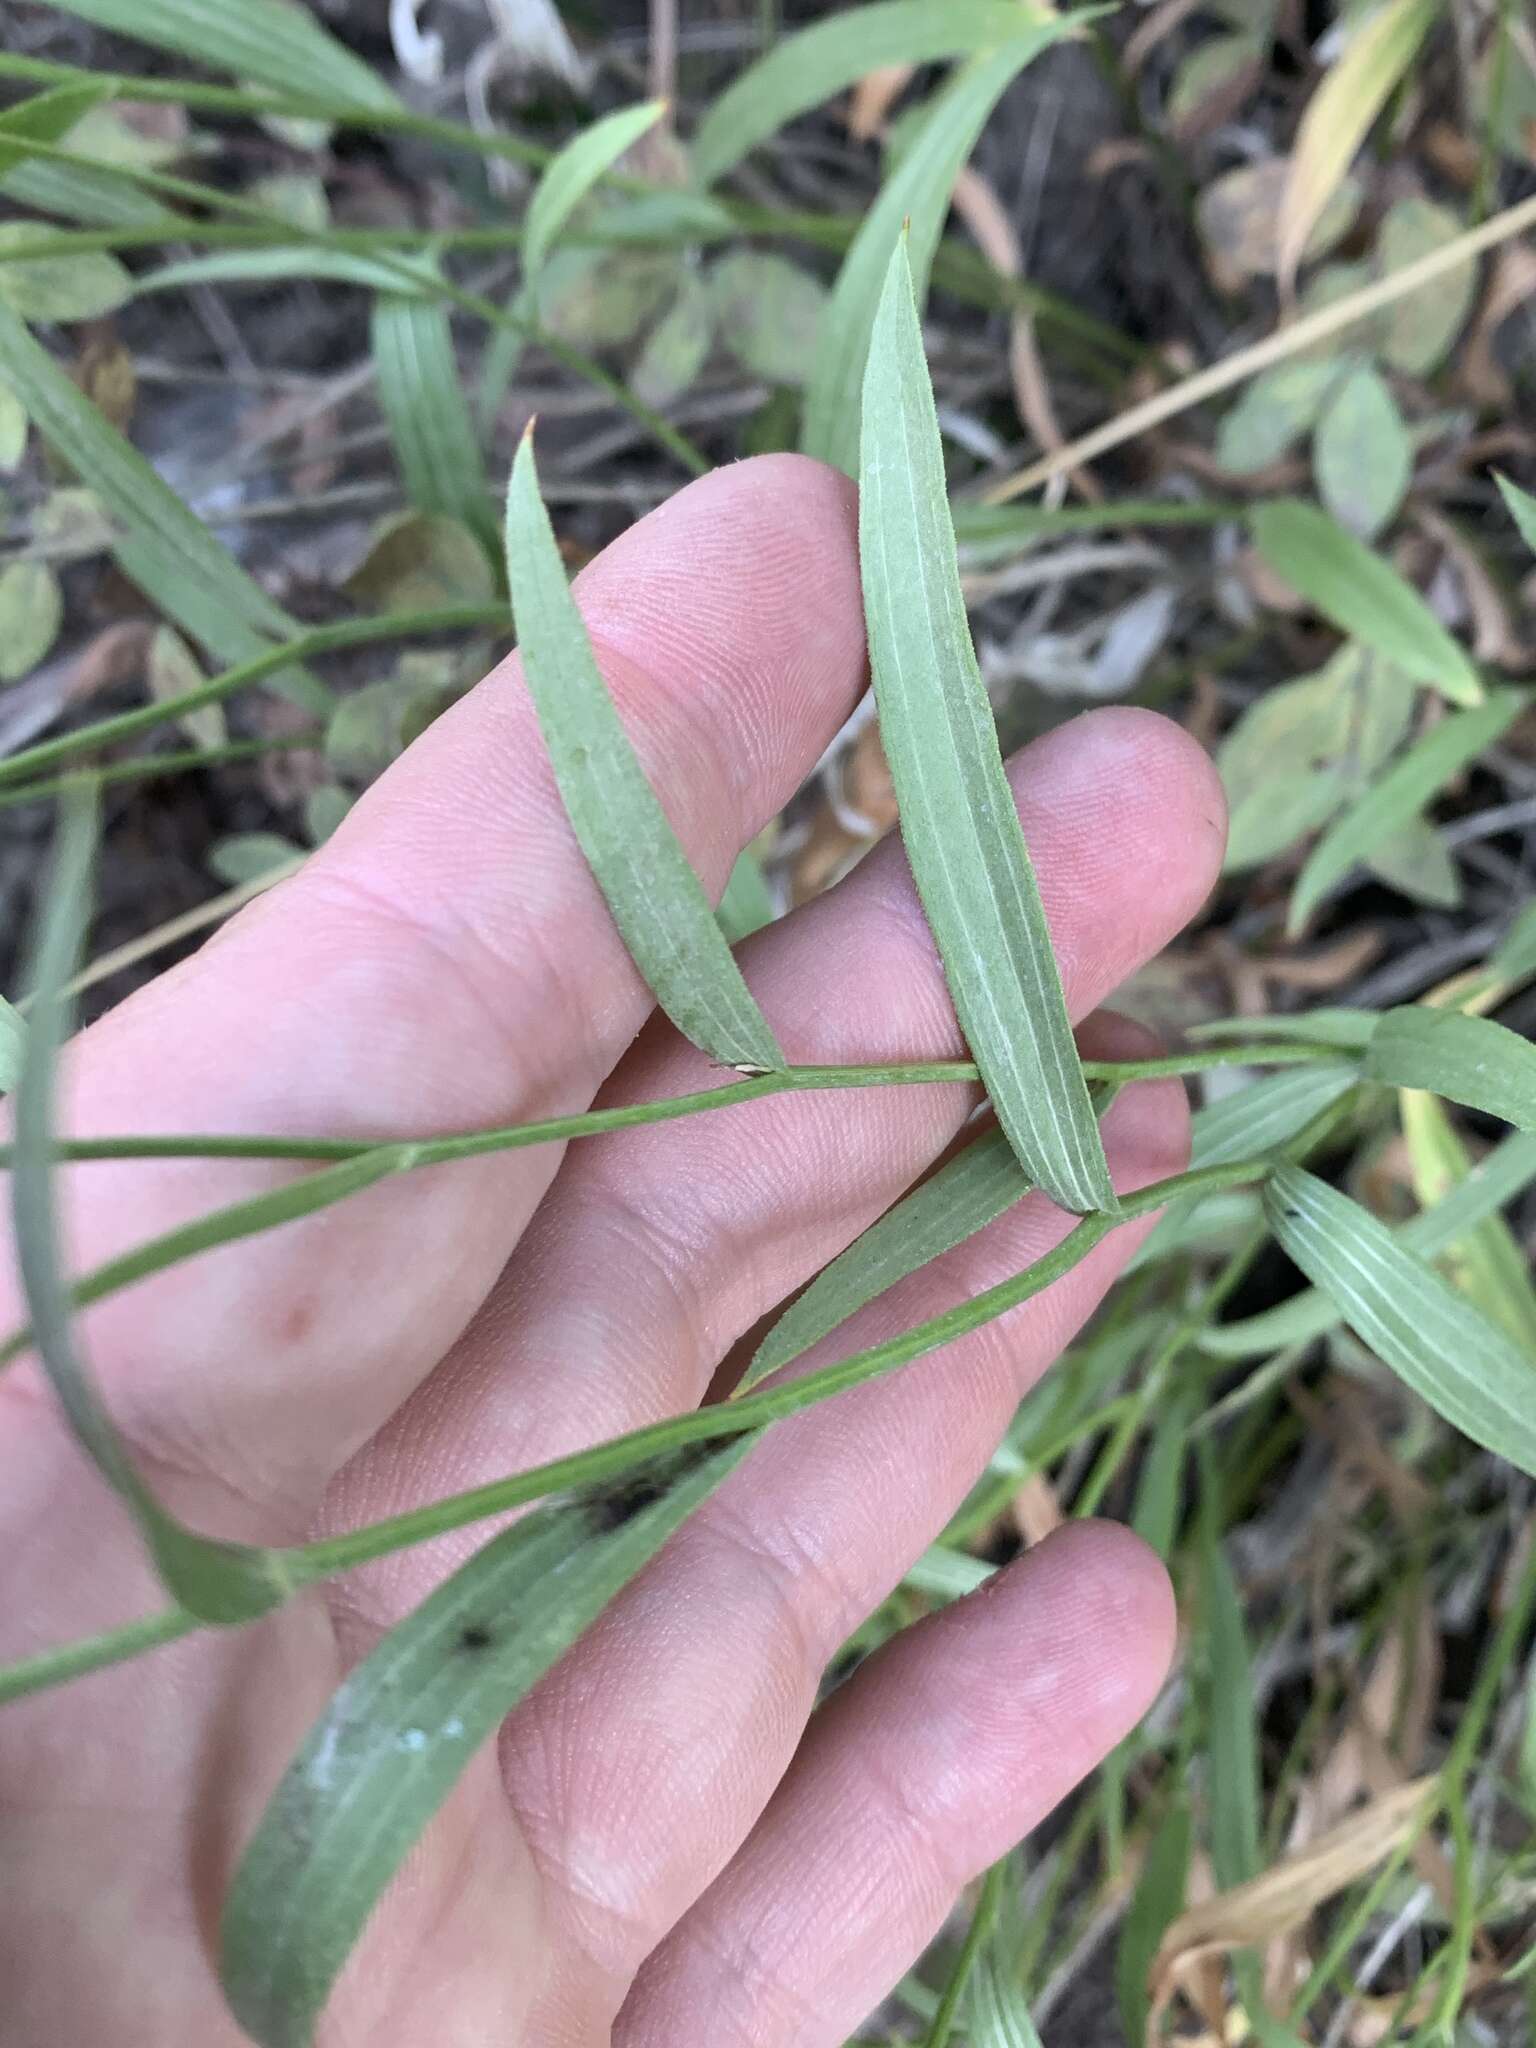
pixel 657 1851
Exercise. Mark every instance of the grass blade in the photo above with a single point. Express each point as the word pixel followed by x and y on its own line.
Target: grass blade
pixel 1471 1060
pixel 967 1193
pixel 47 117
pixel 216 1581
pixel 1363 595
pixel 959 822
pixel 657 900
pixel 1339 116
pixel 259 40
pixel 1155 1904
pixel 13 1035
pixel 1522 509
pixel 1398 796
pixel 1231 1722
pixel 1432 1337
pixel 1489 1265
pixel 1506 1172
pixel 400 1731
pixel 164 548
pixel 423 401
pixel 917 193
pixel 808 69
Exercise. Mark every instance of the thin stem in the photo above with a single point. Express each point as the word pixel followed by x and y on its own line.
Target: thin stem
pixel 323 640
pixel 606 1461
pixel 146 767
pixel 73 1660
pixel 982 1922
pixel 442 1149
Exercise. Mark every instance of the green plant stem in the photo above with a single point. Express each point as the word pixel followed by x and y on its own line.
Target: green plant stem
pixel 70 746
pixel 148 766
pixel 441 1150
pixel 603 1462
pixel 982 1922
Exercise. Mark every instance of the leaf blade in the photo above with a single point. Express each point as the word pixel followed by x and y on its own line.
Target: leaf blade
pixel 397 1735
pixel 959 820
pixel 657 900
pixel 573 172
pixel 1362 595
pixel 1472 1060
pixel 1433 1338
pixel 916 194
pixel 423 400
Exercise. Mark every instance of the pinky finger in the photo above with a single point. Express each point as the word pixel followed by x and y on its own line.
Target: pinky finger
pixel 931 1762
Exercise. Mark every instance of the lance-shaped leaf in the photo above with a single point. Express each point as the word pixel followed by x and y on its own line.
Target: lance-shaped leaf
pixel 958 818
pixel 216 1581
pixel 47 117
pixel 1362 594
pixel 657 900
pixel 1432 1337
pixel 401 1729
pixel 265 41
pixel 1522 509
pixel 915 196
pixel 423 401
pixel 1397 797
pixel 1507 1171
pixel 13 1036
pixel 1469 1059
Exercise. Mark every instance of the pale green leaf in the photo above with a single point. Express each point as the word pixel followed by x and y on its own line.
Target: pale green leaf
pixel 423 400
pixel 967 1193
pixel 87 193
pixel 810 68
pixel 162 547
pixel 1470 1060
pixel 13 1034
pixel 1488 1264
pixel 1506 1172
pixel 172 672
pixel 311 260
pixel 1302 748
pixel 13 430
pixel 1420 328
pixel 915 197
pixel 31 612
pixel 1273 412
pixel 1347 1029
pixel 1522 509
pixel 81 287
pixel 1400 795
pixel 1433 1338
pixel 216 1581
pixel 959 821
pixel 988 533
pixel 246 856
pixel 769 313
pixel 269 42
pixel 47 117
pixel 1362 456
pixel 402 1728
pixel 1232 1782
pixel 1363 595
pixel 677 347
pixel 573 171
pixel 1156 1902
pixel 657 900
pixel 747 904
pixel 1266 1114
pixel 1515 959
pixel 1415 860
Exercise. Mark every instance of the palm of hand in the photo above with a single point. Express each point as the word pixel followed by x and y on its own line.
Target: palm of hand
pixel 657 1848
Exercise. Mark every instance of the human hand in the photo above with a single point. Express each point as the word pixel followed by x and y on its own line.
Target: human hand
pixel 659 1847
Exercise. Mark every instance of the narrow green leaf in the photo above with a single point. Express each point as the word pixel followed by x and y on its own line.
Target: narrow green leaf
pixel 1399 795
pixel 1506 1172
pixel 657 900
pixel 573 171
pixel 1489 1265
pixel 967 1193
pixel 1155 1904
pixel 989 533
pixel 1347 1029
pixel 959 821
pixel 1432 1337
pixel 164 548
pixel 401 1730
pixel 13 1035
pixel 266 41
pixel 1362 595
pixel 216 1581
pixel 1232 1784
pixel 47 117
pixel 86 286
pixel 1471 1060
pixel 747 904
pixel 423 400
pixel 999 2014
pixel 1362 455
pixel 917 194
pixel 1515 959
pixel 310 260
pixel 1522 509
pixel 810 68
